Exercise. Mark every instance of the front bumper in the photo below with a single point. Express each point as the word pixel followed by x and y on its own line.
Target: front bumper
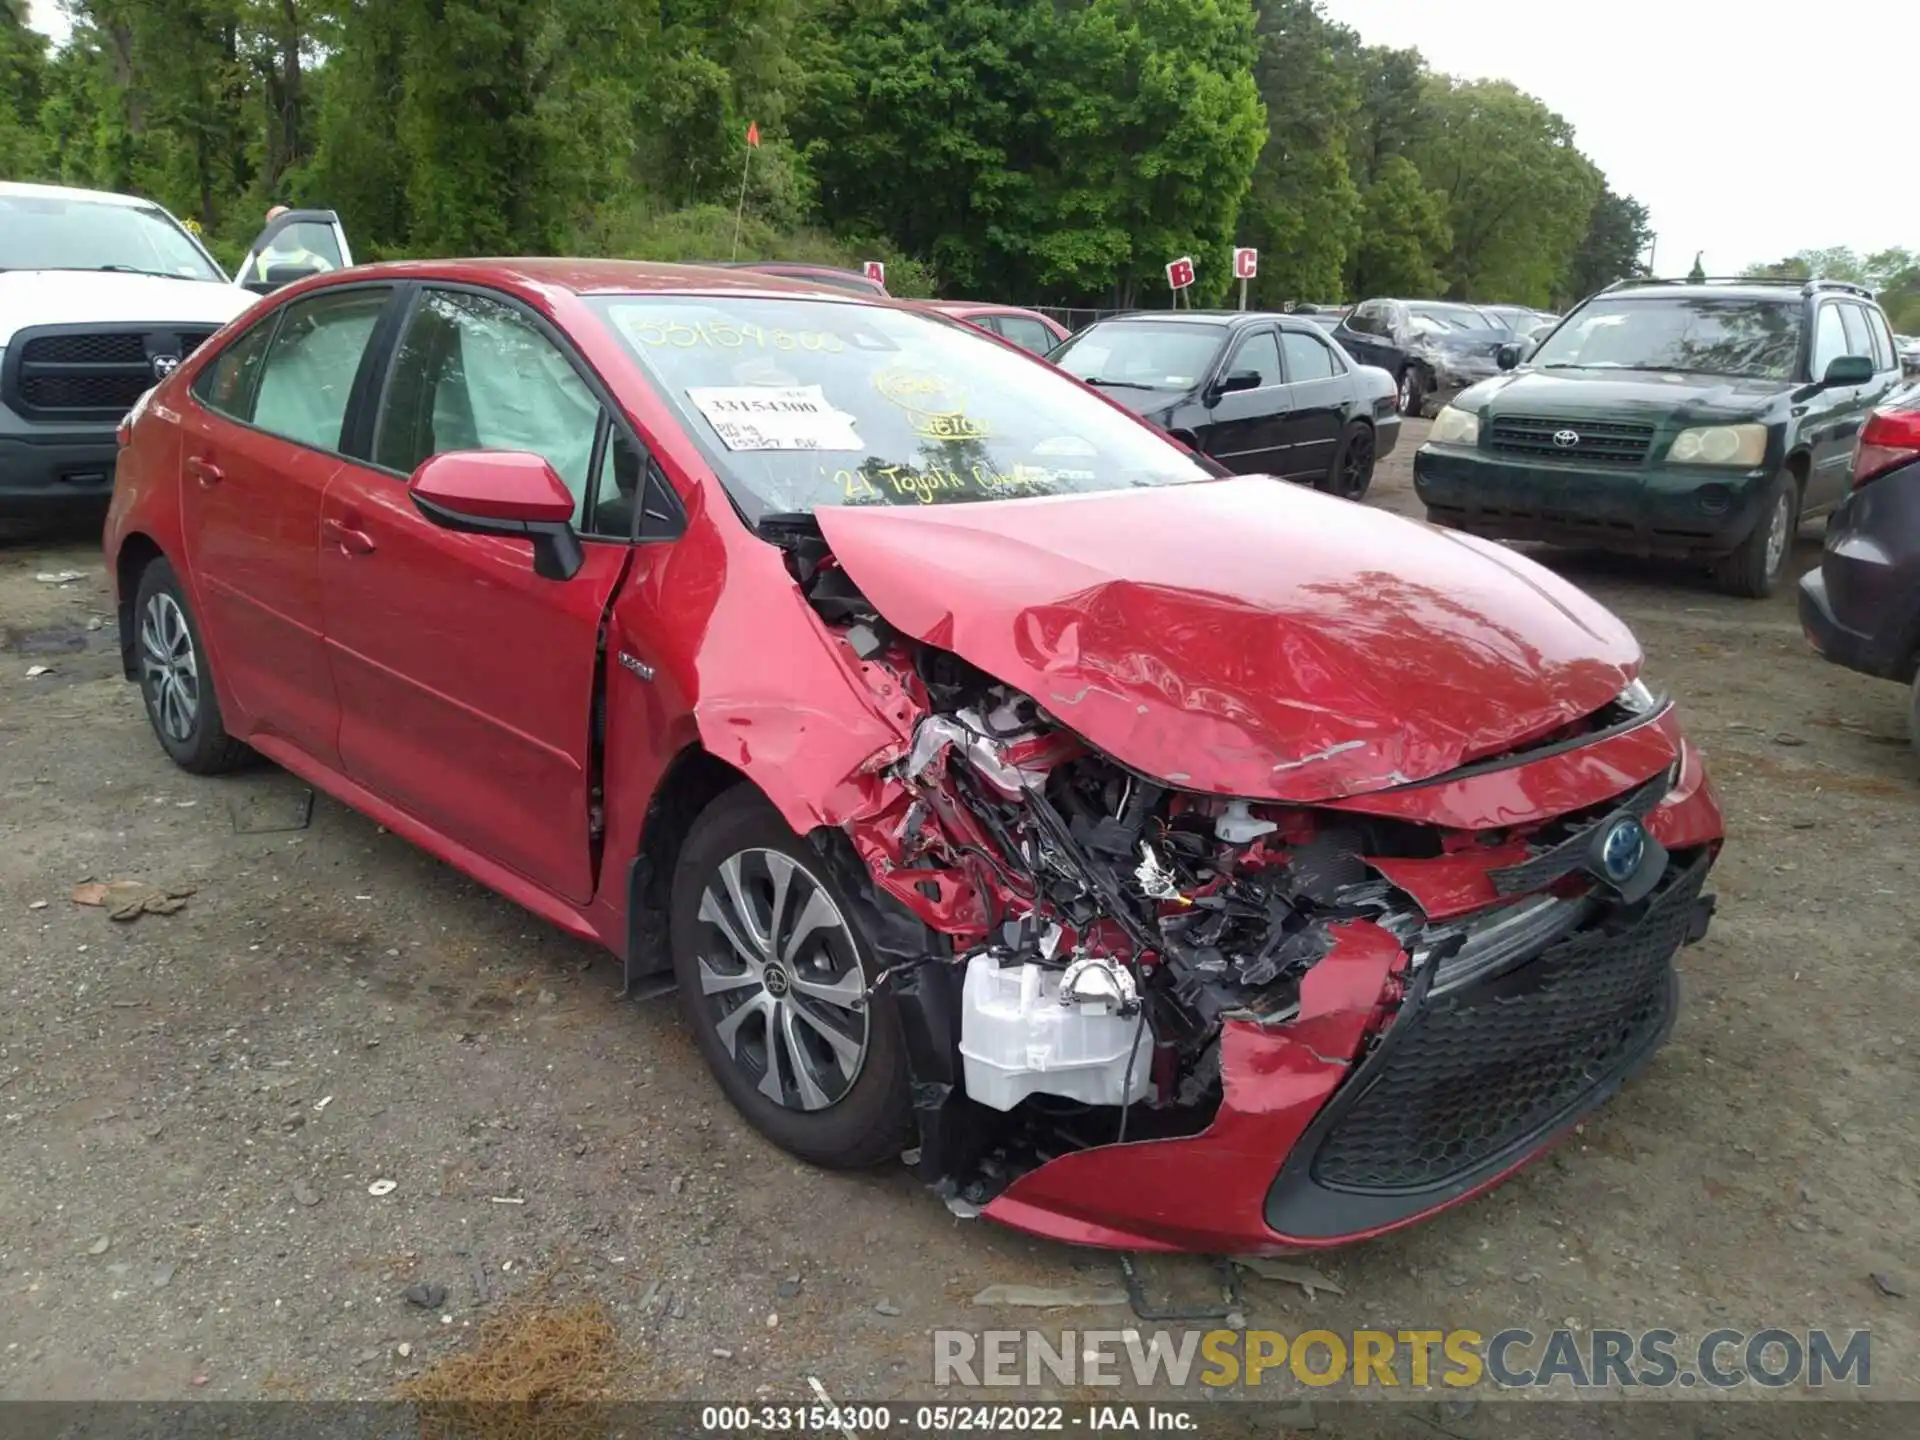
pixel 1653 511
pixel 1383 1104
pixel 54 467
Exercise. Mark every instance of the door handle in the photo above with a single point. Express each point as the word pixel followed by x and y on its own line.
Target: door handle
pixel 354 542
pixel 204 470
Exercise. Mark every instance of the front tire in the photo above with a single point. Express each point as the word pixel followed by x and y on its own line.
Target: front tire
pixel 773 976
pixel 1754 570
pixel 176 679
pixel 1352 472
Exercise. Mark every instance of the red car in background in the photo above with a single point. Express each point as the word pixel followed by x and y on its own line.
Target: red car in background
pixel 1028 329
pixel 996 784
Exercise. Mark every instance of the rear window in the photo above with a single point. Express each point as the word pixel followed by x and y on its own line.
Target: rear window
pixel 1696 334
pixel 801 404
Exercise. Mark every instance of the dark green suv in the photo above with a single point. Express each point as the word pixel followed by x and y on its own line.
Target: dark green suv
pixel 1698 421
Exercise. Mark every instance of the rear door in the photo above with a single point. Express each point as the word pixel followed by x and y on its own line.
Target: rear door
pixel 1319 387
pixel 294 245
pixel 1363 334
pixel 467 683
pixel 1246 430
pixel 258 450
pixel 1029 333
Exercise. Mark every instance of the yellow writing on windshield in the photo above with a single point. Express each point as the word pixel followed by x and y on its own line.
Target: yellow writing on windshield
pixel 877 484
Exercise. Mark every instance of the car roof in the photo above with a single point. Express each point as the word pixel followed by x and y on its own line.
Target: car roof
pixel 1231 318
pixel 607 277
pixel 65 192
pixel 975 307
pixel 1788 294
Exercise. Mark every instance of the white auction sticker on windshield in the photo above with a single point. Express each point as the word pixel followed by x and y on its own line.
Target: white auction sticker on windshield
pixel 775 417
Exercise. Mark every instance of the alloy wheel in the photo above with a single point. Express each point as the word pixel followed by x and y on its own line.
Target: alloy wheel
pixel 781 980
pixel 1406 393
pixel 169 668
pixel 1779 533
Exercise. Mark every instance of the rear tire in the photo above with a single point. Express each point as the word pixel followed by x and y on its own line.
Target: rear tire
pixel 1413 391
pixel 176 677
pixel 769 962
pixel 1754 570
pixel 1353 462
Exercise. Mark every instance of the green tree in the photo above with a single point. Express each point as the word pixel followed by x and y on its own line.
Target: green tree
pixel 1303 212
pixel 23 85
pixel 1519 192
pixel 1027 150
pixel 1618 233
pixel 1403 232
pixel 1698 274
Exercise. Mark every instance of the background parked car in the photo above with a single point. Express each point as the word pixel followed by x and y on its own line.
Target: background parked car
pixel 102 295
pixel 1028 329
pixel 853 281
pixel 1702 422
pixel 1520 321
pixel 1909 348
pixel 1861 607
pixel 1261 394
pixel 1434 349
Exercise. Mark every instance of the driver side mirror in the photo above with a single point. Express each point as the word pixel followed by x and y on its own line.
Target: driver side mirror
pixel 502 492
pixel 1848 370
pixel 1509 355
pixel 1234 383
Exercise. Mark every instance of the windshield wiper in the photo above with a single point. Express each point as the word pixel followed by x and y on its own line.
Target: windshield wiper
pixel 129 270
pixel 1116 384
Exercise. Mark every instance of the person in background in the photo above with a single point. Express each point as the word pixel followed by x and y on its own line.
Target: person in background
pixel 286 250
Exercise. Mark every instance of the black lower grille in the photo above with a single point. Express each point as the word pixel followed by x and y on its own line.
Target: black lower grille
pixel 1602 442
pixel 84 372
pixel 1485 1068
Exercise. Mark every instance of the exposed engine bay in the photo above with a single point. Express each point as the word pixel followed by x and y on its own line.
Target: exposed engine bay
pixel 1084 933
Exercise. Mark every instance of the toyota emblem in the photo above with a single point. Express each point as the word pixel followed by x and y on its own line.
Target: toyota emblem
pixel 165 365
pixel 1566 439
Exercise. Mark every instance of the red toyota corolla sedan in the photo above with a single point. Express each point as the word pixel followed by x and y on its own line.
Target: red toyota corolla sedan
pixel 1150 859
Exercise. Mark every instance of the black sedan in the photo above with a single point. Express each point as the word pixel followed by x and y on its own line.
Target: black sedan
pixel 1260 394
pixel 1434 349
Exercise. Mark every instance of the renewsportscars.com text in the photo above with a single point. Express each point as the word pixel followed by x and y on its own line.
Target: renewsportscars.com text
pixel 1381 1359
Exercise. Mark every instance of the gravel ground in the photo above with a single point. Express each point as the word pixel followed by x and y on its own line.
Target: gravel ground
pixel 195 1108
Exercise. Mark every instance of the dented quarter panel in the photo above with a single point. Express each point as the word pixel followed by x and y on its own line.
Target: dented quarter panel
pixel 1244 637
pixel 1140 1195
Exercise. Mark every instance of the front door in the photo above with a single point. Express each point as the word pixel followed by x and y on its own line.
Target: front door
pixel 257 453
pixel 1246 429
pixel 295 244
pixel 467 682
pixel 1318 386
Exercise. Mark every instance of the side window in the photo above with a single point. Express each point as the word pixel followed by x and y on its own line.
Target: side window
pixel 1884 355
pixel 308 375
pixel 1027 334
pixel 1260 354
pixel 226 386
pixel 1308 358
pixel 1829 340
pixel 1859 338
pixel 473 373
pixel 1367 319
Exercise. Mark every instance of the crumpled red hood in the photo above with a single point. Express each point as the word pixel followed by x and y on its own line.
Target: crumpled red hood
pixel 1245 637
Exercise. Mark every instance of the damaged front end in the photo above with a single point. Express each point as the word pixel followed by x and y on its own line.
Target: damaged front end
pixel 1146 1017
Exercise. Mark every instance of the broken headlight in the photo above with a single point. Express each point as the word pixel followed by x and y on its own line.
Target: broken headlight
pixel 1638 698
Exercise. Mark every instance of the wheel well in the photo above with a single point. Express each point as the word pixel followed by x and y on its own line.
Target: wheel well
pixel 692 782
pixel 137 551
pixel 1186 438
pixel 1798 466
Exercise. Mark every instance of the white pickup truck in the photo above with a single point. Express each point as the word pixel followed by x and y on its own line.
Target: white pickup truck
pixel 100 296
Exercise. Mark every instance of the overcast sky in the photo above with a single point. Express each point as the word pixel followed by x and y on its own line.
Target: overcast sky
pixel 1749 131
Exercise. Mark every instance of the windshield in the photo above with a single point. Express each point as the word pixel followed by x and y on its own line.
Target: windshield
pixel 1450 317
pixel 1141 355
pixel 47 232
pixel 1705 335
pixel 806 403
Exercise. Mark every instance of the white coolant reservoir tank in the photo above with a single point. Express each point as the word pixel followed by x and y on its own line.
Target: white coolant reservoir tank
pixel 1237 825
pixel 1017 1039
